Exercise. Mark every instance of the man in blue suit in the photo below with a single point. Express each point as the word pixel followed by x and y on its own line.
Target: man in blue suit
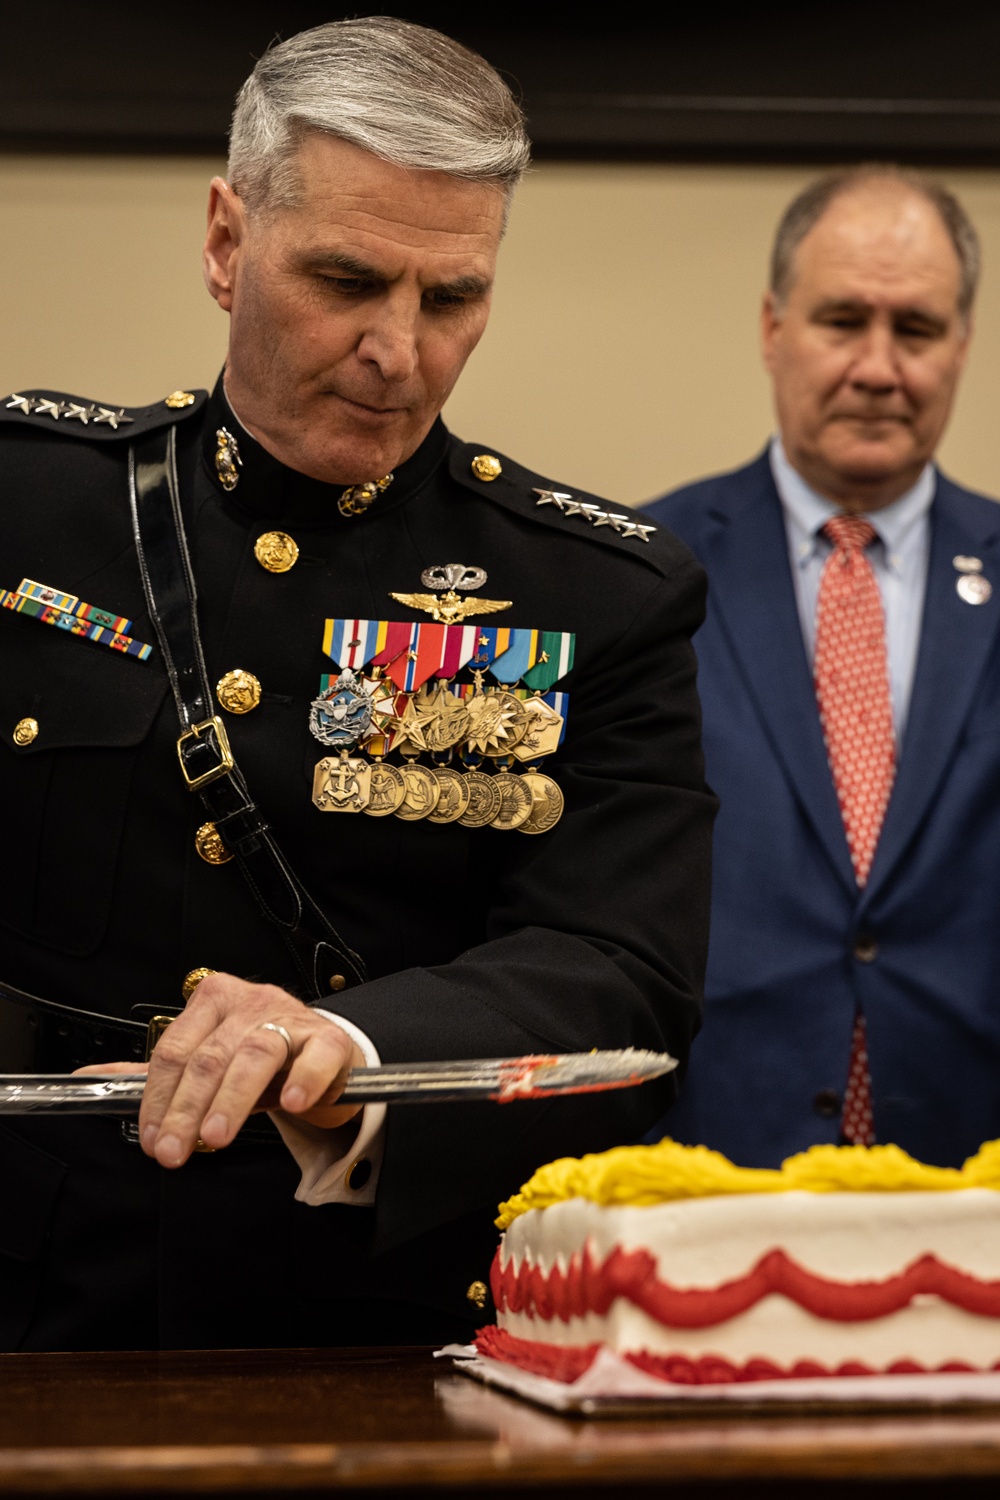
pixel 817 954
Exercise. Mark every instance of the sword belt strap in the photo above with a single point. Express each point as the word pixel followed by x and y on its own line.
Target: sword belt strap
pixel 203 749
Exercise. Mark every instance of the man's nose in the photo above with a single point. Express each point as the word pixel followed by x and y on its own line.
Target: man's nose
pixel 876 367
pixel 390 339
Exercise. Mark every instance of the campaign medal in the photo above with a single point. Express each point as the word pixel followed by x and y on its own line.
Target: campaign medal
pixel 453 796
pixel 386 790
pixel 341 784
pixel 515 801
pixel 484 800
pixel 421 792
pixel 547 802
pixel 542 735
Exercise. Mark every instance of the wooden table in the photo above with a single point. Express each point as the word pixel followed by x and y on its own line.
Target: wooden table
pixel 397 1422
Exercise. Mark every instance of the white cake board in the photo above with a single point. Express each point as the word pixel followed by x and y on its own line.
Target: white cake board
pixel 612 1384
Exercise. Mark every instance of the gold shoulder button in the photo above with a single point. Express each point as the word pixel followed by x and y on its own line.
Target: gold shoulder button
pixel 238 691
pixel 477 1294
pixel 276 551
pixel 486 467
pixel 177 400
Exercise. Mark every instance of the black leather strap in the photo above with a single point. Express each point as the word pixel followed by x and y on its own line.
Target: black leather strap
pixel 205 757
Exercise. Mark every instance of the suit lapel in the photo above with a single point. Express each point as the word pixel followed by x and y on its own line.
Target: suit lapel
pixel 955 641
pixel 753 598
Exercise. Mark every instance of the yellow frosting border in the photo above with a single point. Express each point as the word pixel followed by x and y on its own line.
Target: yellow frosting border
pixel 637 1176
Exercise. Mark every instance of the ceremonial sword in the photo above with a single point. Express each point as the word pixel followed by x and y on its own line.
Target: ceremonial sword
pixel 502 1079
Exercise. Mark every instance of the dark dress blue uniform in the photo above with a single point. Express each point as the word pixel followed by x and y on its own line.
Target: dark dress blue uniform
pixel 477 943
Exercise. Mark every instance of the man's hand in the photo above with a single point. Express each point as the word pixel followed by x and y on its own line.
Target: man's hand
pixel 214 1066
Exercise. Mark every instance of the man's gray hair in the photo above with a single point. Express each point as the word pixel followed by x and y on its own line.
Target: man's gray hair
pixel 403 92
pixel 812 203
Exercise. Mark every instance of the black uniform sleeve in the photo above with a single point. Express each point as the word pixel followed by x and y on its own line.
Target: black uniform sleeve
pixel 597 933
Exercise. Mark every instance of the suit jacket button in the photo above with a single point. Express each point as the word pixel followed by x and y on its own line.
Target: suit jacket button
pixel 865 949
pixel 827 1103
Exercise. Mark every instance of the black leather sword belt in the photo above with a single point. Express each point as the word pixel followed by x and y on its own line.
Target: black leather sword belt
pixel 43 1036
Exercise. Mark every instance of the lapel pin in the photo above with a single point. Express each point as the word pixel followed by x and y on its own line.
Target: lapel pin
pixel 970 585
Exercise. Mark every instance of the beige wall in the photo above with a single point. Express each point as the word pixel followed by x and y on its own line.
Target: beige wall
pixel 621 356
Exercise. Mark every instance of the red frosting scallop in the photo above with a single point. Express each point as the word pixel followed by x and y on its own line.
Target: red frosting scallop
pixel 566 1364
pixel 591 1287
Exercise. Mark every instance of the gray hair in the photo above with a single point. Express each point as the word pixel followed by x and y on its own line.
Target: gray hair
pixel 403 92
pixel 812 203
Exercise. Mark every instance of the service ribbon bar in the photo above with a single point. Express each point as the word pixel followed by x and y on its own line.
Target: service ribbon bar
pixel 412 651
pixel 84 620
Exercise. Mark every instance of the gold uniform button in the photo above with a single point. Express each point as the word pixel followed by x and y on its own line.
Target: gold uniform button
pixel 25 731
pixel 276 551
pixel 359 1174
pixel 486 467
pixel 238 691
pixel 192 981
pixel 477 1294
pixel 177 400
pixel 337 983
pixel 208 843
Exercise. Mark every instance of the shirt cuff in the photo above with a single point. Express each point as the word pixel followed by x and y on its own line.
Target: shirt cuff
pixel 332 1160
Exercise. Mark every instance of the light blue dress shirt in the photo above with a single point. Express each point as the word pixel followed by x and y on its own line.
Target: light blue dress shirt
pixel 898 555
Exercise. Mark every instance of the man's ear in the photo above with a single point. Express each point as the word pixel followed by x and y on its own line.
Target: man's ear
pixel 225 234
pixel 770 323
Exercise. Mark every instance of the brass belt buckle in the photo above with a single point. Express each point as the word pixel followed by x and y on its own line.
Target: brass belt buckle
pixel 222 740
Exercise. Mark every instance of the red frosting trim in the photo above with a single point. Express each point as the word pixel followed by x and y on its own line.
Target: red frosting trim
pixel 568 1363
pixel 589 1287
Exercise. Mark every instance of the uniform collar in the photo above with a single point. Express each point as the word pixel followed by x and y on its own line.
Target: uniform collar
pixel 269 489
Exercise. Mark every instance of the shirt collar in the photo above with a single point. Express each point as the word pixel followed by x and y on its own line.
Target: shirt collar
pixel 807 511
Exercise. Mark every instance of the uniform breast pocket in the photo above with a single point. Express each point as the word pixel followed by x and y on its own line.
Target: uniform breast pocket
pixel 72 718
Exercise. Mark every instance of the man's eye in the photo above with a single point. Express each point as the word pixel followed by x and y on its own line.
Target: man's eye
pixel 914 331
pixel 444 300
pixel 348 286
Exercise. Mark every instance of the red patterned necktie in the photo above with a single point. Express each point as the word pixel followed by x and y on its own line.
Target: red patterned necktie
pixel 855 709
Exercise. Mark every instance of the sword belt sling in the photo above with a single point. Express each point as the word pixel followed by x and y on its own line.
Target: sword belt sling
pixel 206 760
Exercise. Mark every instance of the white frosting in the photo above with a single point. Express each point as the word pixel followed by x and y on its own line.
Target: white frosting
pixel 700 1242
pixel 847 1237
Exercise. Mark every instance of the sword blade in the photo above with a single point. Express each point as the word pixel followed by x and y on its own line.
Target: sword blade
pixel 501 1079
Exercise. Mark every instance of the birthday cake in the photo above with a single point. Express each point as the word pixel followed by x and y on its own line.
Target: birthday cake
pixel 847 1261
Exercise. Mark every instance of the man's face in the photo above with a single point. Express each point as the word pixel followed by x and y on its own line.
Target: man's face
pixel 353 313
pixel 867 350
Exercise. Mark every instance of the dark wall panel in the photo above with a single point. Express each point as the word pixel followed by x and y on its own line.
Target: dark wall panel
pixel 767 82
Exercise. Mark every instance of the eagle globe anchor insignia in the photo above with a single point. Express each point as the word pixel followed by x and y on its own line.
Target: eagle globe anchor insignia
pixel 447 731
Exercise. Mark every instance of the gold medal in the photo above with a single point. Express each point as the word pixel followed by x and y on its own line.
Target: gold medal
pixel 386 791
pixel 541 737
pixel 484 800
pixel 497 722
pixel 341 784
pixel 515 801
pixel 547 802
pixel 421 793
pixel 453 798
pixel 443 719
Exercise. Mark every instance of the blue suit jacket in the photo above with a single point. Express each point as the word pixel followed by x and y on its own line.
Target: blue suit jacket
pixel 787 918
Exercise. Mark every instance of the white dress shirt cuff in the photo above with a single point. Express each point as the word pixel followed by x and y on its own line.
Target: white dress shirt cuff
pixel 327 1159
